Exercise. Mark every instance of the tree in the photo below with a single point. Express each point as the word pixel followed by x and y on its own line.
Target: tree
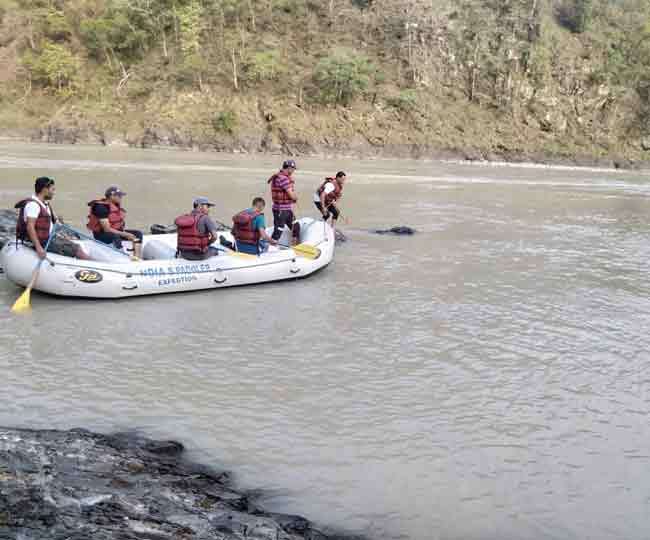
pixel 343 76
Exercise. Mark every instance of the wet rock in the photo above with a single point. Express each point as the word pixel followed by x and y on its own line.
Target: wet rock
pixel 76 484
pixel 7 226
pixel 400 230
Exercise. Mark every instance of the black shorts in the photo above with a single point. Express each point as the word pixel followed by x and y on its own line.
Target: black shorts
pixel 332 210
pixel 112 238
pixel 198 256
pixel 282 218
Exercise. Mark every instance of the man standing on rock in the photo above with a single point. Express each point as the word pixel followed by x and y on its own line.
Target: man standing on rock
pixel 284 196
pixel 327 195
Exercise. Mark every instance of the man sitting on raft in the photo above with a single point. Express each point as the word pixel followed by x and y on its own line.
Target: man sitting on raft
pixel 106 220
pixel 249 229
pixel 196 231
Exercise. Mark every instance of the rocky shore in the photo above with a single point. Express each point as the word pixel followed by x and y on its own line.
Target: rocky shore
pixel 7 226
pixel 260 143
pixel 78 485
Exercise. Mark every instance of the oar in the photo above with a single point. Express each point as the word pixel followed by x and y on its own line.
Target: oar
pixel 24 300
pixel 304 250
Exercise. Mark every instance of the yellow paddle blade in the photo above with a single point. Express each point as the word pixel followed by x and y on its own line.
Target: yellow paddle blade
pixel 23 303
pixel 241 255
pixel 307 251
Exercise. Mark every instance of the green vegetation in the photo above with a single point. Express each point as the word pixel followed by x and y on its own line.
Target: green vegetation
pixel 498 77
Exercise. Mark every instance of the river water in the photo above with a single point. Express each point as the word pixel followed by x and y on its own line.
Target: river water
pixel 486 378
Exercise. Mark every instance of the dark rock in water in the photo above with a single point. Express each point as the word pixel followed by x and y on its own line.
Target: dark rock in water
pixel 162 229
pixel 76 484
pixel 401 230
pixel 7 225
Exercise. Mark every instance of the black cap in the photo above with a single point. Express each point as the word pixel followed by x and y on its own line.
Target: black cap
pixel 340 174
pixel 289 163
pixel 42 182
pixel 113 190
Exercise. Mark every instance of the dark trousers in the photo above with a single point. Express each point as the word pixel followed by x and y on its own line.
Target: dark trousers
pixel 331 211
pixel 111 238
pixel 197 255
pixel 282 218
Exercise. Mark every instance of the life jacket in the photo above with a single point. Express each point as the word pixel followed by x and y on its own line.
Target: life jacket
pixel 334 195
pixel 116 216
pixel 243 229
pixel 189 237
pixel 43 222
pixel 278 194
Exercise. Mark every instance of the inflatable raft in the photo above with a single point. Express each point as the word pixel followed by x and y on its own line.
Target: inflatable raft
pixel 108 273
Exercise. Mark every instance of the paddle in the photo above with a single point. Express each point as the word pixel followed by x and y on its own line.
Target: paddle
pixel 24 300
pixel 304 250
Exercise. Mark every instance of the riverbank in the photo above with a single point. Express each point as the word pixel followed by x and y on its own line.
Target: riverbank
pixel 261 143
pixel 78 484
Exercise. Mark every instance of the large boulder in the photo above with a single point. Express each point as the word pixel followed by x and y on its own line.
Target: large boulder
pixel 60 485
pixel 7 225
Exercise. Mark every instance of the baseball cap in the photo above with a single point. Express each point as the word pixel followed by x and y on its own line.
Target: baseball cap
pixel 198 201
pixel 289 163
pixel 114 190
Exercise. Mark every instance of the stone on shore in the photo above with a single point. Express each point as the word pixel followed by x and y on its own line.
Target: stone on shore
pixel 7 226
pixel 76 485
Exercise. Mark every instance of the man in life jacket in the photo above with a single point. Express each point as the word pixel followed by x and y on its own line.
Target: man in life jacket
pixel 106 220
pixel 284 196
pixel 36 221
pixel 249 229
pixel 326 196
pixel 196 231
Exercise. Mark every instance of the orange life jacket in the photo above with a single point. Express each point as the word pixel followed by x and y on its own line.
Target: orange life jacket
pixel 116 216
pixel 43 223
pixel 189 237
pixel 243 226
pixel 334 195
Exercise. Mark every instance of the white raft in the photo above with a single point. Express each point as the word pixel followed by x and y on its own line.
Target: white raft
pixel 111 274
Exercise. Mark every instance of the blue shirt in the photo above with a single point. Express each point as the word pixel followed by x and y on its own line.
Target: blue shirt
pixel 258 223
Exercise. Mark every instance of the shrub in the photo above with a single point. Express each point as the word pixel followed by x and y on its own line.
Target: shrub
pixel 405 101
pixel 225 122
pixel 55 66
pixel 342 77
pixel 575 15
pixel 263 66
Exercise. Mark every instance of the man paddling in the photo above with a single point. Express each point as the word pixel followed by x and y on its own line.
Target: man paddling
pixel 327 195
pixel 284 196
pixel 249 229
pixel 36 221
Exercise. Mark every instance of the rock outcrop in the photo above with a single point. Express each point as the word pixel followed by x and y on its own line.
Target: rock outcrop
pixel 7 226
pixel 79 485
pixel 400 230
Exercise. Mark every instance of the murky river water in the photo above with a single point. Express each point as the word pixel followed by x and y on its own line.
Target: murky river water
pixel 487 378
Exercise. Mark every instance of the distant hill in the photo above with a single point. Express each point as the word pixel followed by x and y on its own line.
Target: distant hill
pixel 565 80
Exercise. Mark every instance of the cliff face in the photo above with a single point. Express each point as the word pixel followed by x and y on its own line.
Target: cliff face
pixel 77 484
pixel 560 80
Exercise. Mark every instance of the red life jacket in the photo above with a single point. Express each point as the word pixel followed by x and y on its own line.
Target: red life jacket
pixel 43 223
pixel 189 237
pixel 243 229
pixel 116 216
pixel 278 194
pixel 334 195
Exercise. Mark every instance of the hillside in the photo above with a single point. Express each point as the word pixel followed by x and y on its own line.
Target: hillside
pixel 559 80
